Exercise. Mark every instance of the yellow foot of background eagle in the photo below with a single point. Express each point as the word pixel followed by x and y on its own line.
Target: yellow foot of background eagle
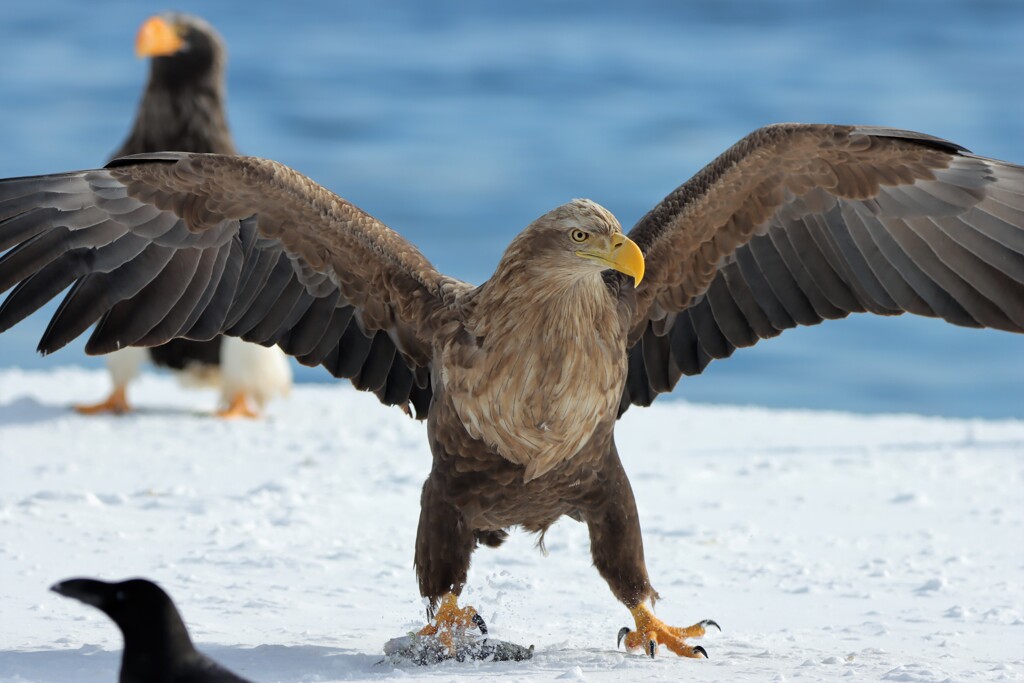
pixel 652 631
pixel 238 408
pixel 116 403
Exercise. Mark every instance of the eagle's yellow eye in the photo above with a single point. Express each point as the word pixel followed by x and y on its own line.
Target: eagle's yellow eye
pixel 579 235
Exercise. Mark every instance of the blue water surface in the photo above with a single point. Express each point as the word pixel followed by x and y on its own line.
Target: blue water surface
pixel 458 122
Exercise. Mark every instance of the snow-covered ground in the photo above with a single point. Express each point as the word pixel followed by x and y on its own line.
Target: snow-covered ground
pixel 827 545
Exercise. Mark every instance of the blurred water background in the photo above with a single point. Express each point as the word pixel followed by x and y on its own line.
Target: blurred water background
pixel 458 122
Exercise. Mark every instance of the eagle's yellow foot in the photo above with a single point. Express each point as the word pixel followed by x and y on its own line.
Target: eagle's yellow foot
pixel 451 622
pixel 239 407
pixel 116 403
pixel 650 631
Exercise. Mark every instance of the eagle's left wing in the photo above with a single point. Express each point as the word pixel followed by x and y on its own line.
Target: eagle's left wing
pixel 796 224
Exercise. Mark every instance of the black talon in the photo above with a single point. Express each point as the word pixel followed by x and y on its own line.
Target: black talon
pixel 652 647
pixel 623 632
pixel 711 622
pixel 479 621
pixel 698 649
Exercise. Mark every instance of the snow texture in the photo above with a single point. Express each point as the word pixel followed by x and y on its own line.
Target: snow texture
pixel 828 546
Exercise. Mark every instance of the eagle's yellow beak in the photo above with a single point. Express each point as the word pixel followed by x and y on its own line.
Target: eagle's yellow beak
pixel 157 38
pixel 621 254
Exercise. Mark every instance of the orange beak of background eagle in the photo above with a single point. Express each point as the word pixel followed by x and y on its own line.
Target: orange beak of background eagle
pixel 157 38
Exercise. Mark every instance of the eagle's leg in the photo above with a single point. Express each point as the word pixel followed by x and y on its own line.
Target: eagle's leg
pixel 618 551
pixel 444 544
pixel 124 365
pixel 250 375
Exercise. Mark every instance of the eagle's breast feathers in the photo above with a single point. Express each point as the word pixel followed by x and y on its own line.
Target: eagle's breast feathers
pixel 533 372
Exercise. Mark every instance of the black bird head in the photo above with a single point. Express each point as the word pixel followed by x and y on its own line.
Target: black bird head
pixel 145 614
pixel 157 647
pixel 131 604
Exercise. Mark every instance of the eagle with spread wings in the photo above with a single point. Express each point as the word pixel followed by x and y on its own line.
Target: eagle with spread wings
pixel 522 378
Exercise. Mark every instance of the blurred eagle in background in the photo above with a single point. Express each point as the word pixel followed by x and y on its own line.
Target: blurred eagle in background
pixel 182 109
